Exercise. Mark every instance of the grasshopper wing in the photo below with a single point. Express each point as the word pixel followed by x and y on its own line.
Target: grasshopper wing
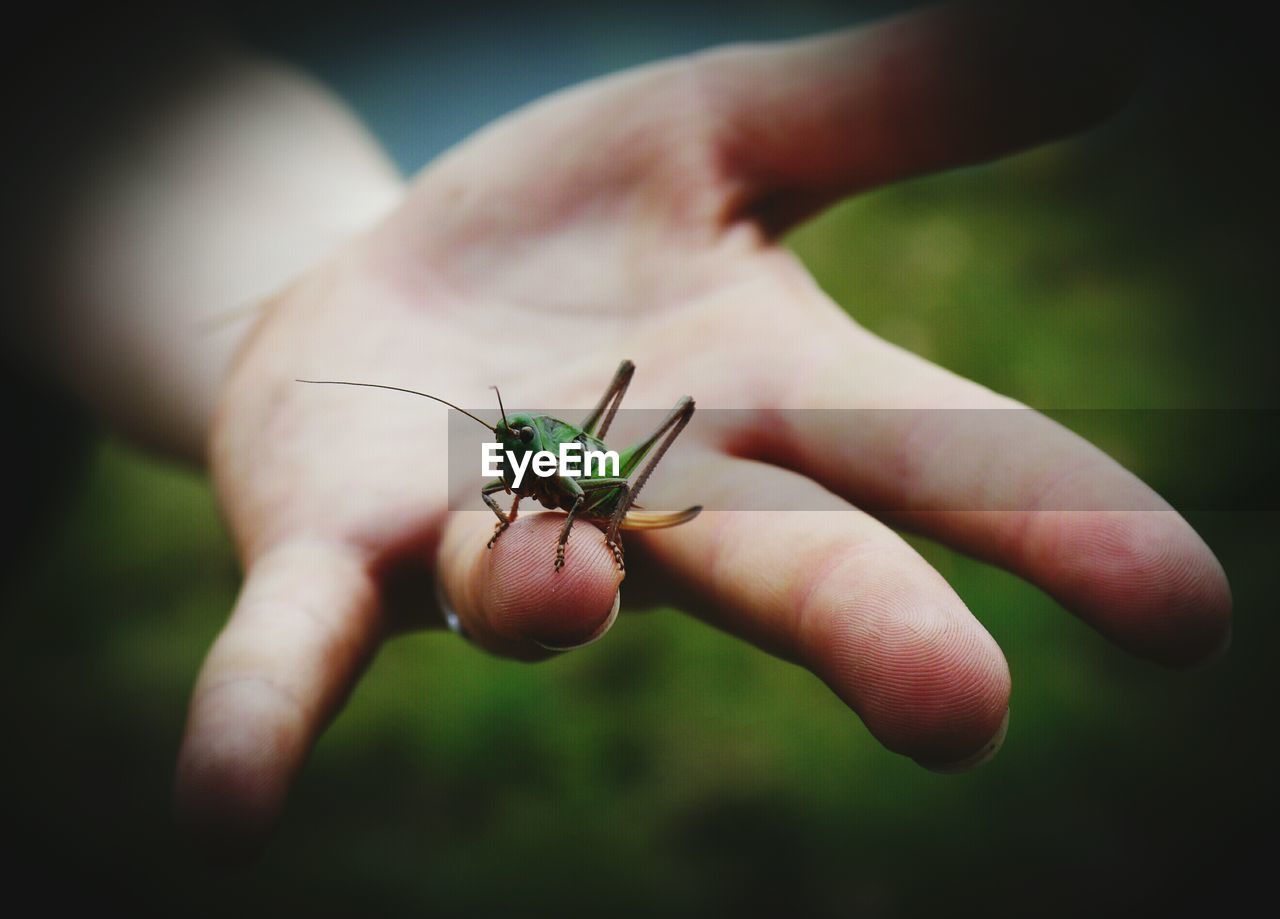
pixel 658 520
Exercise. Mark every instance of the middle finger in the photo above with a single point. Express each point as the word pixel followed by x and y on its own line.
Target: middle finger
pixel 844 595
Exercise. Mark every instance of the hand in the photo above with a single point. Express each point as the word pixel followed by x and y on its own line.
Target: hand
pixel 638 216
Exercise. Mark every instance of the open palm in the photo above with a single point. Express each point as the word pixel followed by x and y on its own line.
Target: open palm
pixel 637 217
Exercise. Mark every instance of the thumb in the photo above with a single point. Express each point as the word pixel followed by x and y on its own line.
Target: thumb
pixel 512 600
pixel 815 120
pixel 303 627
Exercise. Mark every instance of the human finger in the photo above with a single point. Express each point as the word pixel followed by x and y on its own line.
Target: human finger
pixel 511 599
pixel 992 478
pixel 846 597
pixel 305 623
pixel 802 124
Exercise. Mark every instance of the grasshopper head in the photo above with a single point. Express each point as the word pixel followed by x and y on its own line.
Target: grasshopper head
pixel 518 435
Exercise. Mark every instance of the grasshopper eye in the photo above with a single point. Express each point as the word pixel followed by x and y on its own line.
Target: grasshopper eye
pixel 526 434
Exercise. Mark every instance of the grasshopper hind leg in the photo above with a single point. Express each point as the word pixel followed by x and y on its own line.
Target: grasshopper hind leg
pixel 611 537
pixel 616 548
pixel 663 437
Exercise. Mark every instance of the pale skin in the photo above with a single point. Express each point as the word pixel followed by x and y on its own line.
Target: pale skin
pixel 635 216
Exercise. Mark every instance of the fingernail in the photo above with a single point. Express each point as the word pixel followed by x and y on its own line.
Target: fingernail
pixel 982 756
pixel 1218 654
pixel 598 634
pixel 447 612
pixel 1222 648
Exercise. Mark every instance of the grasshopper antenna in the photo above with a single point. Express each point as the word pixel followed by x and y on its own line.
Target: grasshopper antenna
pixel 501 409
pixel 413 392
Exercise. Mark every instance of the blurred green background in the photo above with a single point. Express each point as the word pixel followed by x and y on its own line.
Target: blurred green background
pixel 673 768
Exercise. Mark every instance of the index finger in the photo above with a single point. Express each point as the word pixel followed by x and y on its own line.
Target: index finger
pixel 511 599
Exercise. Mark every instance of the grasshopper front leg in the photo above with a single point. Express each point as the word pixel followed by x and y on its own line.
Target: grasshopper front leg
pixel 504 520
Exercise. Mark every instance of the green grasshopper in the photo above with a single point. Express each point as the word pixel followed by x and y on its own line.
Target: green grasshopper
pixel 608 501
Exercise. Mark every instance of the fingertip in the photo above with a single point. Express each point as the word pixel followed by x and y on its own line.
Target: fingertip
pixel 949 704
pixel 515 598
pixel 979 757
pixel 1150 583
pixel 1219 653
pixel 234 769
pixel 1031 73
pixel 531 599
pixel 306 621
pixel 600 631
pixel 927 679
pixel 1203 615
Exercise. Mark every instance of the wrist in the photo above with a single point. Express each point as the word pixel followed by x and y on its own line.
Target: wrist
pixel 168 240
